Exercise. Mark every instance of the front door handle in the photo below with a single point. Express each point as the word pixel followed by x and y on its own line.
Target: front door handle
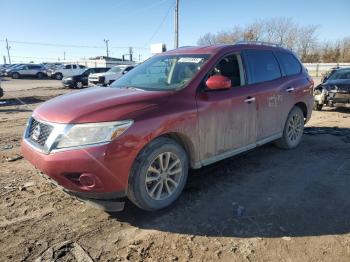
pixel 249 99
pixel 290 89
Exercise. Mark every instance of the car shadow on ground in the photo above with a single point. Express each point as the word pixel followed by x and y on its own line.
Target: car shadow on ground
pixel 336 109
pixel 6 78
pixel 267 192
pixel 21 101
pixel 18 110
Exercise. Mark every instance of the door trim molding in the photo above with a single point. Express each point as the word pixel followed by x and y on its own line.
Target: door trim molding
pixel 236 151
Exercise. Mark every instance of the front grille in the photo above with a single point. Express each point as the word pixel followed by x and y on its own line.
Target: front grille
pixel 39 132
pixel 344 88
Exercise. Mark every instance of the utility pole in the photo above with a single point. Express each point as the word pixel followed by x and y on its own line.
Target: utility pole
pixel 176 42
pixel 8 50
pixel 130 53
pixel 106 41
pixel 64 55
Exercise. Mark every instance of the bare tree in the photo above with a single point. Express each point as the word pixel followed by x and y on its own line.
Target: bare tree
pixel 307 40
pixel 345 49
pixel 254 31
pixel 284 31
pixel 207 39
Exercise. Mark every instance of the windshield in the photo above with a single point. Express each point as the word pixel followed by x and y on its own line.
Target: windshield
pixel 163 72
pixel 87 72
pixel 340 74
pixel 116 69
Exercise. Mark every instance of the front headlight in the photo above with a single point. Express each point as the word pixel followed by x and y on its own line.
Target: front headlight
pixel 93 133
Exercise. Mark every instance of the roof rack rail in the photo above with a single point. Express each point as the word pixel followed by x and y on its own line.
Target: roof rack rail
pixel 257 43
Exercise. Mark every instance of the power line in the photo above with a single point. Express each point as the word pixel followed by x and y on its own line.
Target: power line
pixel 160 25
pixel 64 45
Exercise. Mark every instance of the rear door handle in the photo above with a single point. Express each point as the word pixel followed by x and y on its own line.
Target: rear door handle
pixel 290 89
pixel 249 99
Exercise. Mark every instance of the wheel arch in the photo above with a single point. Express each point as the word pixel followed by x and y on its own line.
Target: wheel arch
pixel 186 143
pixel 303 108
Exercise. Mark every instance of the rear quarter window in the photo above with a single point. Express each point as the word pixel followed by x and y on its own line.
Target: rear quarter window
pixel 289 63
pixel 262 66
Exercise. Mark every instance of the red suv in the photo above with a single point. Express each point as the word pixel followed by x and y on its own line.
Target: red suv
pixel 182 109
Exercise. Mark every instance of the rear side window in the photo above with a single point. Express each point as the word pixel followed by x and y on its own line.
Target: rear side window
pixel 289 63
pixel 262 66
pixel 74 67
pixel 34 67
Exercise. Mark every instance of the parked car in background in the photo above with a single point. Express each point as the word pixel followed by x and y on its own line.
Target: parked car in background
pixel 31 70
pixel 334 90
pixel 79 81
pixel 110 76
pixel 3 68
pixel 1 90
pixel 65 70
pixel 5 71
pixel 185 108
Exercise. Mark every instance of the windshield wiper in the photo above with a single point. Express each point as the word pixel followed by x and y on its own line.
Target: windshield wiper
pixel 133 87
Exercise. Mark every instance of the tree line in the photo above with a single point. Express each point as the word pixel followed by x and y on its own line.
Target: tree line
pixel 284 31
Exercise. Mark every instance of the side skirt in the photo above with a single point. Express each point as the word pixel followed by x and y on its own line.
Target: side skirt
pixel 236 151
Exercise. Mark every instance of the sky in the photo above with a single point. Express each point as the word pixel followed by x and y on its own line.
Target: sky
pixel 78 27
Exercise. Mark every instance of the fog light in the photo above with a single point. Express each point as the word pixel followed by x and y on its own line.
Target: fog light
pixel 87 179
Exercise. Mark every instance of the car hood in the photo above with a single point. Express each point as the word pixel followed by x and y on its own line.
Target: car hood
pixel 99 105
pixel 337 82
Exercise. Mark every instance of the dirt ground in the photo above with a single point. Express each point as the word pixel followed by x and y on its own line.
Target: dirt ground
pixel 265 205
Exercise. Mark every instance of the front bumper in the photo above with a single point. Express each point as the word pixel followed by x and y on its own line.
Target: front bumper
pixel 333 98
pixel 108 165
pixel 68 83
pixel 97 81
pixel 111 202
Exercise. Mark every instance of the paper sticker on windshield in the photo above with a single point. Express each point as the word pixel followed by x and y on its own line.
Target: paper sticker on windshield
pixel 190 60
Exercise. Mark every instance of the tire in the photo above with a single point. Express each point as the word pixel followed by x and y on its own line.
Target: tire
pixel 317 106
pixel 40 75
pixel 79 84
pixel 58 76
pixel 293 129
pixel 15 75
pixel 146 194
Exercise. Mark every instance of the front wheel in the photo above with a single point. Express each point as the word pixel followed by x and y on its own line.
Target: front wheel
pixel 293 129
pixel 158 175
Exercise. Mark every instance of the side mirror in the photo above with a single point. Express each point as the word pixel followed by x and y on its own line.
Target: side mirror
pixel 218 82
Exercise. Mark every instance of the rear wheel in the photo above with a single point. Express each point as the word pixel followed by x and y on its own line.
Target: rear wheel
pixel 158 175
pixel 293 129
pixel 15 75
pixel 58 76
pixel 40 75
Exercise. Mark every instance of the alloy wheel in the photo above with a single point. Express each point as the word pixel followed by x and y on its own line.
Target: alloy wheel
pixel 295 127
pixel 163 176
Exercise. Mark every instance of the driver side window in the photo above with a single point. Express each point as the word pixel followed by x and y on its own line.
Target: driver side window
pixel 231 66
